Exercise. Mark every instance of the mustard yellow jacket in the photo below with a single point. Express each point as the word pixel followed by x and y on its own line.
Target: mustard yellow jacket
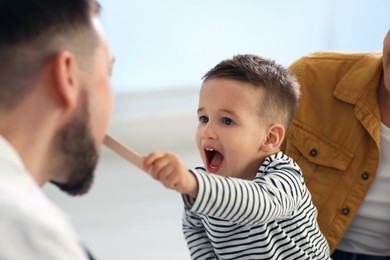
pixel 334 136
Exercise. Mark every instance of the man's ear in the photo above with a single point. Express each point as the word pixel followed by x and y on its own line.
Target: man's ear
pixel 274 138
pixel 65 77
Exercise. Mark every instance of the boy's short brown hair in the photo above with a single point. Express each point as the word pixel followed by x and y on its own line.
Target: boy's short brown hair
pixel 280 89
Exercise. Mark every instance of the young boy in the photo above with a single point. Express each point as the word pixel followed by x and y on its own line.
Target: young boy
pixel 249 200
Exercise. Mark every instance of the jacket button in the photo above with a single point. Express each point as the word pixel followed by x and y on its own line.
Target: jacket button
pixel 345 211
pixel 365 175
pixel 313 152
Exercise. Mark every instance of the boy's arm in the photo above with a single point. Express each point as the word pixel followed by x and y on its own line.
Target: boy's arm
pixel 195 235
pixel 247 202
pixel 244 202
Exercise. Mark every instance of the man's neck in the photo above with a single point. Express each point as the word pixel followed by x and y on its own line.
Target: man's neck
pixel 31 140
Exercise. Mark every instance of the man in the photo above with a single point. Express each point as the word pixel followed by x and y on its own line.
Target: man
pixel 55 104
pixel 340 137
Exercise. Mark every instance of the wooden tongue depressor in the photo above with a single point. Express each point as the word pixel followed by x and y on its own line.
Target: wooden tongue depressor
pixel 124 151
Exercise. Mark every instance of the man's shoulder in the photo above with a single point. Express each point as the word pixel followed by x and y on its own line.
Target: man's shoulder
pixel 25 206
pixel 39 229
pixel 320 73
pixel 329 61
pixel 33 217
pixel 340 55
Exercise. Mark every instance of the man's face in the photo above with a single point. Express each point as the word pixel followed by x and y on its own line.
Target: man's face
pixel 386 60
pixel 79 153
pixel 81 138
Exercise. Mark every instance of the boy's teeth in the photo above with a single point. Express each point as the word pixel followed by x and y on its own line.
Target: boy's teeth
pixel 210 150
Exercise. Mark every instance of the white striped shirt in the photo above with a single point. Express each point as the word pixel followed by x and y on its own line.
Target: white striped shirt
pixel 271 217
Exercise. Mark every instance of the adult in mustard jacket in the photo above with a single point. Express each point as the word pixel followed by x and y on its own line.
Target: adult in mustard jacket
pixel 340 137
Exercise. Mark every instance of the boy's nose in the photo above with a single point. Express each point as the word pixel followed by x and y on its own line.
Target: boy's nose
pixel 209 132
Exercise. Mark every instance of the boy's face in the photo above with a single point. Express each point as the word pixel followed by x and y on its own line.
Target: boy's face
pixel 230 131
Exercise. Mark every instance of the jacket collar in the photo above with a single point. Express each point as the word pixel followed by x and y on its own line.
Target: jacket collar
pixel 363 77
pixel 359 87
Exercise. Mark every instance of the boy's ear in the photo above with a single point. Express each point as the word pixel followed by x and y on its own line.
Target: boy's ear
pixel 274 138
pixel 65 78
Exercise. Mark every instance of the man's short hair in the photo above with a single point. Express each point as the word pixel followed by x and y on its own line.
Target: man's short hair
pixel 31 32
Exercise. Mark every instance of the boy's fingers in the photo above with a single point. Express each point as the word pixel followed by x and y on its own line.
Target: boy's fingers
pixel 169 170
pixel 151 158
pixel 160 168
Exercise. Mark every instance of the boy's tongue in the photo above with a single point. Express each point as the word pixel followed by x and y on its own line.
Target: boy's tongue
pixel 216 161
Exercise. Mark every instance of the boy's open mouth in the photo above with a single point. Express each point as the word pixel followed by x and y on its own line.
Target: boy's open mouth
pixel 214 160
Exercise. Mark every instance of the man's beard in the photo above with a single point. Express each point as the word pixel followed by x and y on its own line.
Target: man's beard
pixel 80 156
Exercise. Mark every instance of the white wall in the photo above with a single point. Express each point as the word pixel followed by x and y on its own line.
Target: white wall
pixel 172 43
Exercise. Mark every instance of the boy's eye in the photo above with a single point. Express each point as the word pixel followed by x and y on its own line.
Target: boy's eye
pixel 203 119
pixel 227 121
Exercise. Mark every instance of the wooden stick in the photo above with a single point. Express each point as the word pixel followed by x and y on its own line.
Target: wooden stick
pixel 124 151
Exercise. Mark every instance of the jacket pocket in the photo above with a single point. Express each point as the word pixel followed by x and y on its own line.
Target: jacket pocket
pixel 322 160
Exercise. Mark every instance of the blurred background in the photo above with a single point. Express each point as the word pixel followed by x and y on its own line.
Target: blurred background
pixel 162 49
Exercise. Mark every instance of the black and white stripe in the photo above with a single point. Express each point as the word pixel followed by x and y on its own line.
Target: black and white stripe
pixel 271 217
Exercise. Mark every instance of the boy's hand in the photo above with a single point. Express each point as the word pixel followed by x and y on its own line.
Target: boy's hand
pixel 171 172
